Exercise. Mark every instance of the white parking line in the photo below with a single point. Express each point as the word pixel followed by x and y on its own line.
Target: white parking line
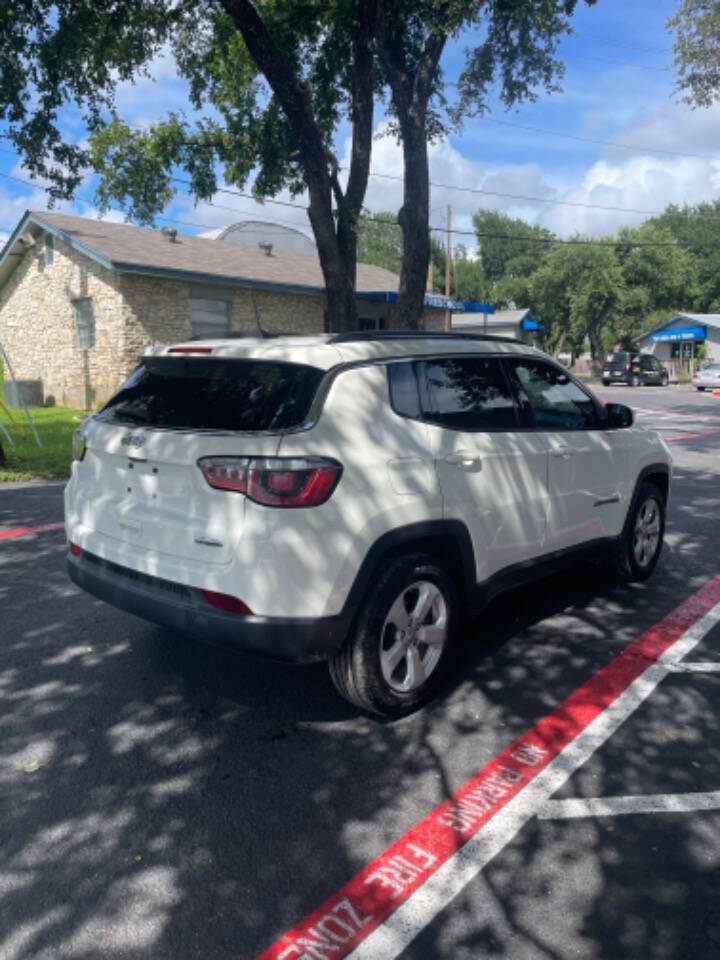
pixel 572 808
pixel 389 902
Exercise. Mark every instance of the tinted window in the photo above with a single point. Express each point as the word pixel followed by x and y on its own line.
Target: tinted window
pixel 404 395
pixel 616 358
pixel 468 393
pixel 550 400
pixel 214 394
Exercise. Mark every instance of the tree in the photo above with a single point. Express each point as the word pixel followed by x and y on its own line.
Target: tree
pixel 380 241
pixel 656 278
pixel 577 293
pixel 270 82
pixel 696 230
pixel 519 42
pixel 697 50
pixel 509 247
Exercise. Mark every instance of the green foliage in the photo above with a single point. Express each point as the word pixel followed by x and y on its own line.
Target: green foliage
pixel 380 241
pixel 696 229
pixel 509 247
pixel 701 355
pixel 697 44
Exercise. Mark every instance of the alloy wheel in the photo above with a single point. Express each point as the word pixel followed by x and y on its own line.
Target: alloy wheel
pixel 414 636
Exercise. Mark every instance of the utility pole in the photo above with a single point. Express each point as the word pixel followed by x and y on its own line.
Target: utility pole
pixel 448 254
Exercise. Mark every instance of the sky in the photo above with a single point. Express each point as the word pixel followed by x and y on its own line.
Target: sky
pixel 614 147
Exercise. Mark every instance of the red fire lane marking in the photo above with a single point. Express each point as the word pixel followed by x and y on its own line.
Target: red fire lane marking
pixel 691 436
pixel 25 531
pixel 366 901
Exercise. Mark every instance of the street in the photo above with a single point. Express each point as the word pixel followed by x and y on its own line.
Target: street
pixel 162 799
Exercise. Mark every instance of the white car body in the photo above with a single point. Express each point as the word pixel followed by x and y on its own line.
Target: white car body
pixel 149 534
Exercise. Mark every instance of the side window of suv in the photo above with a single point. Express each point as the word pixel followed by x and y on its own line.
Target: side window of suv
pixel 550 400
pixel 467 393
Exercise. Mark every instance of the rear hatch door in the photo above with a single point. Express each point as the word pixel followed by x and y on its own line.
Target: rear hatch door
pixel 140 482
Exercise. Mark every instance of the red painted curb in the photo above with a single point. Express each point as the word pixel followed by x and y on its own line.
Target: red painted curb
pixel 365 901
pixel 25 531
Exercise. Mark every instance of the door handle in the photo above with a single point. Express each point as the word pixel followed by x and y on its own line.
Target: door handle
pixel 463 458
pixel 563 453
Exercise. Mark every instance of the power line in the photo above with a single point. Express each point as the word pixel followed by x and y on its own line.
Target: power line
pixel 603 143
pixel 465 233
pixel 619 43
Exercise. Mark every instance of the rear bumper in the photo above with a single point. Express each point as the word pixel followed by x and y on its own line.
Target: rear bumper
pixel 181 608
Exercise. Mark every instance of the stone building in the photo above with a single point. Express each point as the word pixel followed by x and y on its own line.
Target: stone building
pixel 80 298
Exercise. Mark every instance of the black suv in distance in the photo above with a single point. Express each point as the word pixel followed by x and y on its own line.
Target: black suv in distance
pixel 634 369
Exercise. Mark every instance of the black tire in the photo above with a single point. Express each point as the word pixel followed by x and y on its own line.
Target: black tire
pixel 629 564
pixel 634 381
pixel 356 670
pixel 606 383
pixel 700 389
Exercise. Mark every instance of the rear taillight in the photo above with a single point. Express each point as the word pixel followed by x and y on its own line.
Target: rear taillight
pixel 78 445
pixel 627 367
pixel 223 601
pixel 191 351
pixel 74 549
pixel 696 375
pixel 274 481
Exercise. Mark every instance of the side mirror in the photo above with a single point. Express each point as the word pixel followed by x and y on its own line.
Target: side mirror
pixel 618 416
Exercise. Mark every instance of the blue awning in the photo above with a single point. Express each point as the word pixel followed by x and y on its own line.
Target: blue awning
pixel 680 333
pixel 528 324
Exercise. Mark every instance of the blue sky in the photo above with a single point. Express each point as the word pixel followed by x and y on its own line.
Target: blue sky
pixel 618 88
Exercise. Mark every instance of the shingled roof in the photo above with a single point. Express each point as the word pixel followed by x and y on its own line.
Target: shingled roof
pixel 129 249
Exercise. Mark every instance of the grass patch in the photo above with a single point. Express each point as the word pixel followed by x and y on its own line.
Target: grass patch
pixel 25 460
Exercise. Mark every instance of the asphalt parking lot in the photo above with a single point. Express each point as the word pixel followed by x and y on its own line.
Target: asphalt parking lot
pixel 160 799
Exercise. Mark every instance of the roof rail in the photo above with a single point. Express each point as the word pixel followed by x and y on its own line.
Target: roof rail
pixel 360 336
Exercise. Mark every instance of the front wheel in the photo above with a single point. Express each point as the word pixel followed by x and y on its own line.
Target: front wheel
pixel 634 381
pixel 396 656
pixel 642 538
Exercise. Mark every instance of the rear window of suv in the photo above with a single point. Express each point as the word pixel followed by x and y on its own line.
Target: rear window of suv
pixel 214 394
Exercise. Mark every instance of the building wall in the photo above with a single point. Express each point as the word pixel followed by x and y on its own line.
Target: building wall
pixel 37 325
pixel 132 311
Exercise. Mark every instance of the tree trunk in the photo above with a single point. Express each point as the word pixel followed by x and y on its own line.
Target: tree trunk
pixel 411 91
pixel 336 248
pixel 413 218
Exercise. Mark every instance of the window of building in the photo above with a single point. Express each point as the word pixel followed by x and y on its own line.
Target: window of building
pixel 49 249
pixel 209 317
pixel 84 323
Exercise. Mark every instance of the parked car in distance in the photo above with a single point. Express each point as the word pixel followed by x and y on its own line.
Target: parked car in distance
pixel 634 369
pixel 708 378
pixel 352 498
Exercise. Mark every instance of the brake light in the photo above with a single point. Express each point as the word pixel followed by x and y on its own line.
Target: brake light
pixel 190 350
pixel 627 367
pixel 274 481
pixel 223 601
pixel 696 375
pixel 74 549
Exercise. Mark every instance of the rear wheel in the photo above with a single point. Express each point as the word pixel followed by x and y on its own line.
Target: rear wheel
pixel 634 380
pixel 700 389
pixel 398 651
pixel 664 380
pixel 606 383
pixel 642 538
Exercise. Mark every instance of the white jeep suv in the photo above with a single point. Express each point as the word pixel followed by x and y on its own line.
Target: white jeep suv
pixel 353 497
